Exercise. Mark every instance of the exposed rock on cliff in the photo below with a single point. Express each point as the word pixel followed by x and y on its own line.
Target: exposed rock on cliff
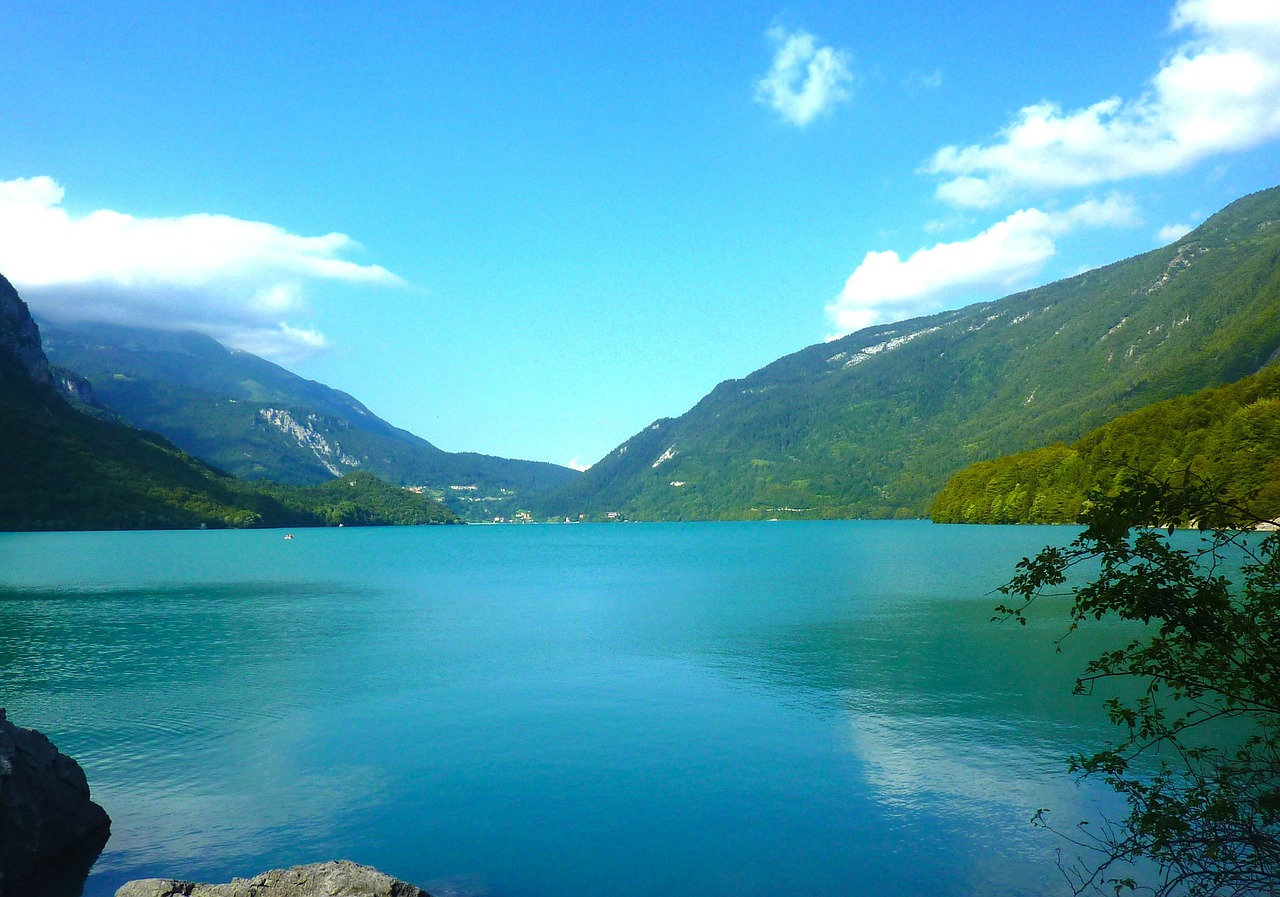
pixel 20 338
pixel 342 878
pixel 76 388
pixel 306 435
pixel 50 831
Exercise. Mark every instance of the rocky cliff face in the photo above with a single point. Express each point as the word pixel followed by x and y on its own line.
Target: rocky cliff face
pixel 336 879
pixel 20 338
pixel 75 387
pixel 307 436
pixel 50 831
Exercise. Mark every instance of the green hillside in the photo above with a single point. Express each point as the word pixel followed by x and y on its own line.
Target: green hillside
pixel 1226 436
pixel 62 469
pixel 875 423
pixel 258 420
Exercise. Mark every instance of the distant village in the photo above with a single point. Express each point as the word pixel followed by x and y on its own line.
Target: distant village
pixel 505 495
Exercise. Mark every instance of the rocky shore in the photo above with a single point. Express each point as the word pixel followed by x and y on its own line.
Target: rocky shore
pixel 51 832
pixel 334 879
pixel 50 829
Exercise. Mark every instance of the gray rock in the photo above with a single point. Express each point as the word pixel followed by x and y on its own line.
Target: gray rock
pixel 20 338
pixel 342 878
pixel 50 830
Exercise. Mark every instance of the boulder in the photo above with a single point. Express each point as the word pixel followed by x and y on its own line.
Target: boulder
pixel 50 831
pixel 342 878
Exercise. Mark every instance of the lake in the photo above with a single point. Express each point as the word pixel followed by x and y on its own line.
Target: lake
pixel 577 711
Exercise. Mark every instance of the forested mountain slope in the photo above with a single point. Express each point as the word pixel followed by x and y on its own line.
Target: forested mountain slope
pixel 61 469
pixel 873 424
pixel 256 419
pixel 1227 436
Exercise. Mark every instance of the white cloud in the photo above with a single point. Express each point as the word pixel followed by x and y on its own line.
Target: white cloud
pixel 885 287
pixel 805 80
pixel 1218 93
pixel 1171 232
pixel 575 464
pixel 923 80
pixel 240 281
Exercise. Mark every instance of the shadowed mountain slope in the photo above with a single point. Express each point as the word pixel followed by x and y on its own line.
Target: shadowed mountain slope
pixel 62 469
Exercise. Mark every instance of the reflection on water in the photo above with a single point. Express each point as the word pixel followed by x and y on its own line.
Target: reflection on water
pixel 781 709
pixel 187 706
pixel 961 725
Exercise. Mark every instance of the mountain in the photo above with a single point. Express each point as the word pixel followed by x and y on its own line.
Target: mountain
pixel 873 424
pixel 63 469
pixel 1226 436
pixel 23 365
pixel 258 420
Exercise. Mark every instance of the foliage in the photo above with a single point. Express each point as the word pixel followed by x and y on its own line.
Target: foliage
pixel 1198 754
pixel 873 424
pixel 359 499
pixel 1227 434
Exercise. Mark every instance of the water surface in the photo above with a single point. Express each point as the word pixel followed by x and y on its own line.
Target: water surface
pixel 781 709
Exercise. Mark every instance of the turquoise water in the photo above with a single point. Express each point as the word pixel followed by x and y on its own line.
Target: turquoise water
pixel 781 709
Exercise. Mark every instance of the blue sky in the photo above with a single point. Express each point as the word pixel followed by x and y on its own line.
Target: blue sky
pixel 529 230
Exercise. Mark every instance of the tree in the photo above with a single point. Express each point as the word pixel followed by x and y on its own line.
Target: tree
pixel 1198 752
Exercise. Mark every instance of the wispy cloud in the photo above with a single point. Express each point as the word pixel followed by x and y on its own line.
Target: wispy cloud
pixel 240 281
pixel 886 287
pixel 1171 232
pixel 917 81
pixel 806 80
pixel 1219 92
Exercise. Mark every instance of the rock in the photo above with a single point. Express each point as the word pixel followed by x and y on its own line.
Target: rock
pixel 76 388
pixel 50 831
pixel 20 339
pixel 342 878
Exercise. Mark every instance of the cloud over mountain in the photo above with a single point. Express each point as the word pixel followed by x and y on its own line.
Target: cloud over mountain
pixel 1219 92
pixel 1002 258
pixel 242 282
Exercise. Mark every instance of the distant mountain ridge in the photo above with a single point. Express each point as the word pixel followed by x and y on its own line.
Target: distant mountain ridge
pixel 873 424
pixel 256 419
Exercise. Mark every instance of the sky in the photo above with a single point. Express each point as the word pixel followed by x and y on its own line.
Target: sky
pixel 530 230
